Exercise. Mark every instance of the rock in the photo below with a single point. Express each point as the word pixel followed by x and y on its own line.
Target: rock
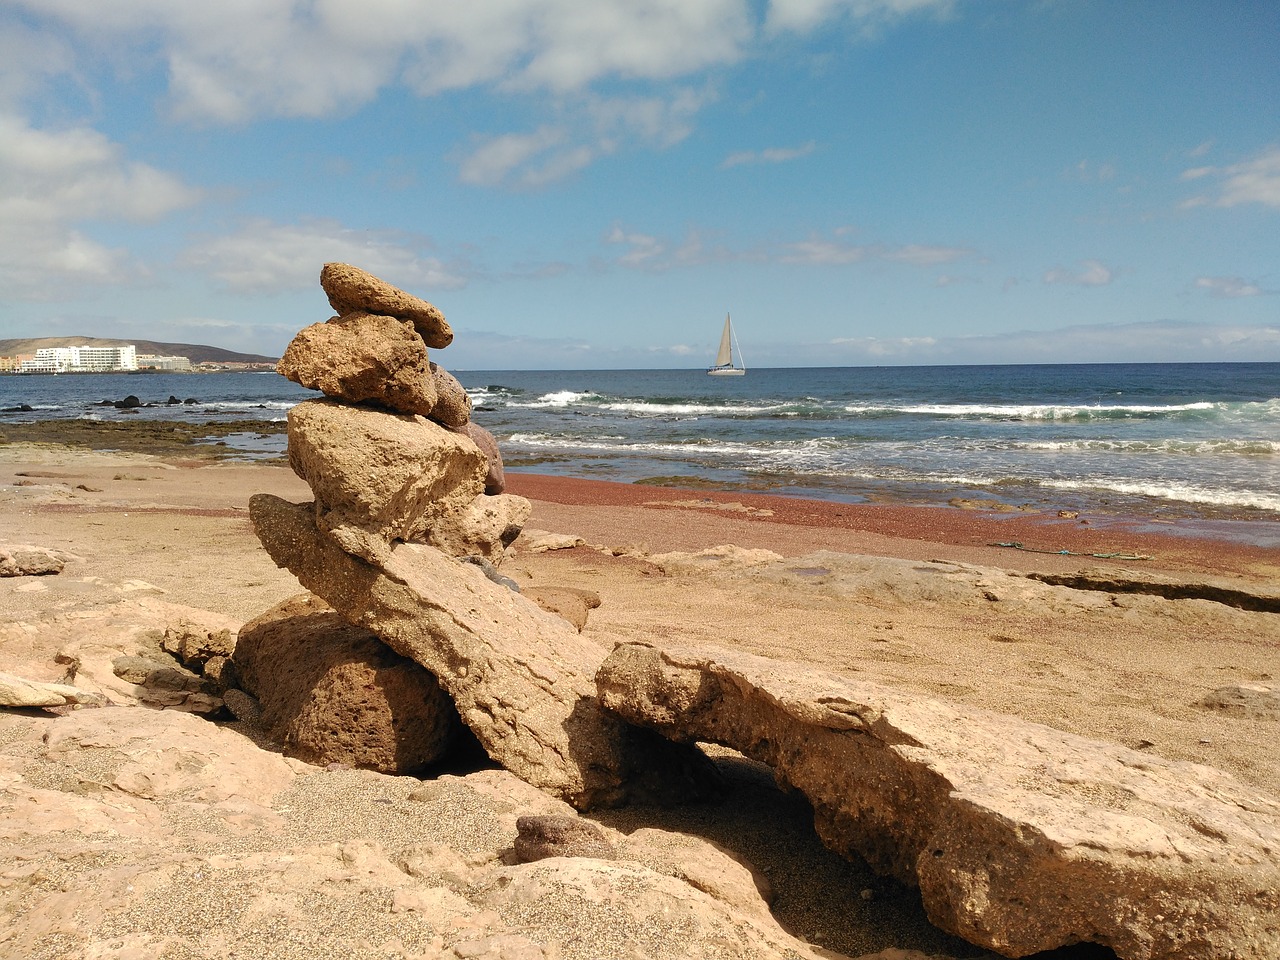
pixel 520 677
pixel 158 755
pixel 703 865
pixel 20 692
pixel 1021 838
pixel 334 693
pixel 1258 700
pixel 363 357
pixel 156 675
pixel 220 675
pixel 543 541
pixel 128 403
pixel 453 405
pixel 391 475
pixel 494 480
pixel 195 643
pixel 351 289
pixel 571 603
pixel 547 835
pixel 24 560
pixel 492 573
pixel 81 647
pixel 485 527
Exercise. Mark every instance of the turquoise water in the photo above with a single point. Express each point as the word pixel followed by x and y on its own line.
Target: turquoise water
pixel 1154 439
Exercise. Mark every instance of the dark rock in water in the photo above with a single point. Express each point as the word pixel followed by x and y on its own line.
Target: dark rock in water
pixel 128 403
pixel 172 400
pixel 190 400
pixel 21 408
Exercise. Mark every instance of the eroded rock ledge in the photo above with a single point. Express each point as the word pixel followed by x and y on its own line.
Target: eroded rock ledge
pixel 1020 837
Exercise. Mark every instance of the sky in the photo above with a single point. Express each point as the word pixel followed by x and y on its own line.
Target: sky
pixel 594 184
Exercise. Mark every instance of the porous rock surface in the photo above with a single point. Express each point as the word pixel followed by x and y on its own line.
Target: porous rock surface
pixel 521 678
pixel 453 405
pixel 334 693
pixel 351 289
pixel 485 527
pixel 1020 837
pixel 390 475
pixel 363 357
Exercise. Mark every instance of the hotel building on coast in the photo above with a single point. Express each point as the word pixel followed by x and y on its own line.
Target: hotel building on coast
pixel 81 359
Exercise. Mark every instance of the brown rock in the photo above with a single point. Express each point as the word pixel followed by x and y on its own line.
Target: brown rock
pixel 363 357
pixel 548 835
pixel 494 480
pixel 24 560
pixel 391 475
pixel 485 527
pixel 350 289
pixel 334 693
pixel 453 406
pixel 1021 838
pixel 18 691
pixel 520 677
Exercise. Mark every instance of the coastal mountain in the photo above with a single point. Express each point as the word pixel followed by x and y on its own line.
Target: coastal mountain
pixel 195 352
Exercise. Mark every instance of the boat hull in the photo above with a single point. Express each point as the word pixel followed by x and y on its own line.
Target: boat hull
pixel 726 372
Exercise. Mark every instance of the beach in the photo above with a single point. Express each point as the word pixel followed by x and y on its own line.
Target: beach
pixel 1113 628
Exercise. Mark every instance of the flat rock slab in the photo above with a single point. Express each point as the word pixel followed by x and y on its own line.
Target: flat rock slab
pixel 522 679
pixel 1020 837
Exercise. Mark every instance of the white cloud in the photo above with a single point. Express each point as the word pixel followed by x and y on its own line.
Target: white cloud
pixel 824 252
pixel 1228 287
pixel 869 15
pixel 1256 180
pixel 52 183
pixel 590 128
pixel 266 257
pixel 239 59
pixel 1091 273
pixel 768 155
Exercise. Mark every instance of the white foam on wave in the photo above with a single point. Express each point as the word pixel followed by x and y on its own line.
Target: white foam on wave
pixel 1031 411
pixel 1206 447
pixel 1164 490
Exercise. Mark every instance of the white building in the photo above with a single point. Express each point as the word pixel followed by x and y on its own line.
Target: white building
pixel 148 361
pixel 82 360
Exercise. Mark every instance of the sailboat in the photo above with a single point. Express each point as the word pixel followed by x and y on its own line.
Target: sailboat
pixel 724 365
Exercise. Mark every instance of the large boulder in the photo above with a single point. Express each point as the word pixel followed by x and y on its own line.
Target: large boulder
pixel 1020 837
pixel 391 475
pixel 334 693
pixel 351 289
pixel 521 678
pixel 24 560
pixel 363 357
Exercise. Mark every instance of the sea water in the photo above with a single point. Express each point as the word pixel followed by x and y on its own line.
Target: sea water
pixel 1194 440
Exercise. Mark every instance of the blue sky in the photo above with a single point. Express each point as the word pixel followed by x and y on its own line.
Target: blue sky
pixel 594 184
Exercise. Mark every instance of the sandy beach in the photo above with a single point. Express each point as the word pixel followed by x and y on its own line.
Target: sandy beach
pixel 1127 653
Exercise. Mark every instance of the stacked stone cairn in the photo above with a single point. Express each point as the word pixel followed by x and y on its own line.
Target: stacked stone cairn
pixel 400 551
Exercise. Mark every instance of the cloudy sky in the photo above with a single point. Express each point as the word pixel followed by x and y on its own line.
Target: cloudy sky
pixel 595 183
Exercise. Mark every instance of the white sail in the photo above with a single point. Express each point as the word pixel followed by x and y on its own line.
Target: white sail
pixel 724 365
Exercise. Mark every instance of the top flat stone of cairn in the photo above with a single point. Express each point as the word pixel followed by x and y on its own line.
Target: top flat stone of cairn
pixel 350 289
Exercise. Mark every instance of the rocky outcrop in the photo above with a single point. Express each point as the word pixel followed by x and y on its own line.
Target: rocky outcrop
pixel 334 693
pixel 24 560
pixel 363 357
pixel 522 679
pixel 18 691
pixel 351 289
pixel 485 527
pixel 1021 838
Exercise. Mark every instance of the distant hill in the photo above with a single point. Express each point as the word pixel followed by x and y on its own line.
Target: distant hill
pixel 195 352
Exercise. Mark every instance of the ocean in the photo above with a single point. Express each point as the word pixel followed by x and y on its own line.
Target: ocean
pixel 1155 440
